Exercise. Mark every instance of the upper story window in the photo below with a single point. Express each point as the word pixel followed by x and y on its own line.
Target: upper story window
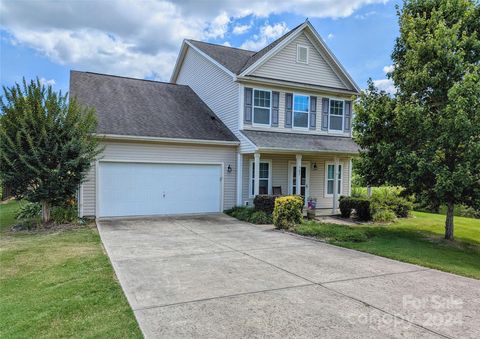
pixel 302 54
pixel 301 104
pixel 261 107
pixel 337 111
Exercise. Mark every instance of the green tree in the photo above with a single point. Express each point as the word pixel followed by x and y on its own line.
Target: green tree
pixel 430 141
pixel 46 144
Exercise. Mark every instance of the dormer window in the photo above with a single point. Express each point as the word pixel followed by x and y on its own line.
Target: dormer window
pixel 302 54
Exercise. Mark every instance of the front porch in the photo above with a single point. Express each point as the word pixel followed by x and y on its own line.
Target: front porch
pixel 308 174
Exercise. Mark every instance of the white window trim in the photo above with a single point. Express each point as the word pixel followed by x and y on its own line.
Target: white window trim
pixel 293 112
pixel 336 131
pixel 298 48
pixel 256 124
pixel 250 176
pixel 326 195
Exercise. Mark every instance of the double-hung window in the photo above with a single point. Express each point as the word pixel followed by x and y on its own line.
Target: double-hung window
pixel 336 115
pixel 301 104
pixel 330 179
pixel 264 178
pixel 261 107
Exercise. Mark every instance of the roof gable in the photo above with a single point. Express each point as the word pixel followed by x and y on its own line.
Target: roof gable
pixel 284 66
pixel 242 62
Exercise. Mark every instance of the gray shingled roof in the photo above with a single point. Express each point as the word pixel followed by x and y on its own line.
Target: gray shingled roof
pixel 231 58
pixel 301 142
pixel 236 60
pixel 136 107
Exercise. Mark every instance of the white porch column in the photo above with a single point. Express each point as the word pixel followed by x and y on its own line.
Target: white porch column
pixel 239 178
pixel 335 186
pixel 256 173
pixel 298 174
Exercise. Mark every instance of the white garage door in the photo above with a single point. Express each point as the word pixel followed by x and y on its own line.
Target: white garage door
pixel 129 189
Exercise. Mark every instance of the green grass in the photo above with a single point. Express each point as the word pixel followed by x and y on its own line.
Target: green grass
pixel 59 284
pixel 418 240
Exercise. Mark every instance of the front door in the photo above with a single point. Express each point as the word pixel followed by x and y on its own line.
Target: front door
pixel 304 179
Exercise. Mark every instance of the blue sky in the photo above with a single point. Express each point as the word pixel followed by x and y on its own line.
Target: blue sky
pixel 141 39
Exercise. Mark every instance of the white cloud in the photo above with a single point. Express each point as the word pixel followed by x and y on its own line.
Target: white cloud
pixel 365 15
pixel 226 43
pixel 142 38
pixel 385 85
pixel 241 29
pixel 388 69
pixel 267 34
pixel 218 27
pixel 50 82
pixel 330 36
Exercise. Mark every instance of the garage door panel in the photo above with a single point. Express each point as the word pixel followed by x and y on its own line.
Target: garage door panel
pixel 155 189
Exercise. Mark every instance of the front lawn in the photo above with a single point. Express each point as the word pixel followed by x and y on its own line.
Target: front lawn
pixel 418 240
pixel 59 284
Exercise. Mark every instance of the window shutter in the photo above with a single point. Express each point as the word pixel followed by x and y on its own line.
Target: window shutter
pixel 275 104
pixel 288 109
pixel 348 116
pixel 247 106
pixel 325 109
pixel 313 112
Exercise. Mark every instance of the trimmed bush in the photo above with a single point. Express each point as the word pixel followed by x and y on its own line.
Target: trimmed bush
pixel 384 216
pixel 345 206
pixel 362 208
pixel 260 218
pixel 248 214
pixel 288 211
pixel 265 203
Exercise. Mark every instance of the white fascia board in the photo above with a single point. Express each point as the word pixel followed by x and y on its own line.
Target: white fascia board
pixel 233 75
pixel 289 85
pixel 179 62
pixel 273 51
pixel 166 140
pixel 289 150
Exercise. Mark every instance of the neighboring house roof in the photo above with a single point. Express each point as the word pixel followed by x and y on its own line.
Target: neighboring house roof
pixel 301 142
pixel 144 108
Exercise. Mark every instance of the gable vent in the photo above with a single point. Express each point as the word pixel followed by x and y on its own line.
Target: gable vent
pixel 302 54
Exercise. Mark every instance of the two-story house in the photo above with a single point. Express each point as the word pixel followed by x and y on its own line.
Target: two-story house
pixel 230 125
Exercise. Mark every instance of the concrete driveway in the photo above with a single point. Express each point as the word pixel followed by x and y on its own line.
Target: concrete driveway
pixel 214 276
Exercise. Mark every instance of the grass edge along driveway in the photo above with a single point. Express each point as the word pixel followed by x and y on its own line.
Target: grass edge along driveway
pixel 417 240
pixel 59 284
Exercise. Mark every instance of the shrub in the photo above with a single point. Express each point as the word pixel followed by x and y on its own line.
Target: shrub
pixel 362 208
pixel 63 215
pixel 260 217
pixel 287 211
pixel 265 203
pixel 390 198
pixel 29 210
pixel 384 215
pixel 345 206
pixel 248 214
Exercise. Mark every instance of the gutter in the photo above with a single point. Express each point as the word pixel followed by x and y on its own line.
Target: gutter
pixel 119 137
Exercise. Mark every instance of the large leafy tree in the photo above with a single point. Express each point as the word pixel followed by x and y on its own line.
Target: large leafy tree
pixel 46 144
pixel 430 129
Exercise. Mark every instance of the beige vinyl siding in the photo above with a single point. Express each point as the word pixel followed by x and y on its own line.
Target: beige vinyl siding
pixel 280 164
pixel 284 66
pixel 213 85
pixel 166 152
pixel 281 112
